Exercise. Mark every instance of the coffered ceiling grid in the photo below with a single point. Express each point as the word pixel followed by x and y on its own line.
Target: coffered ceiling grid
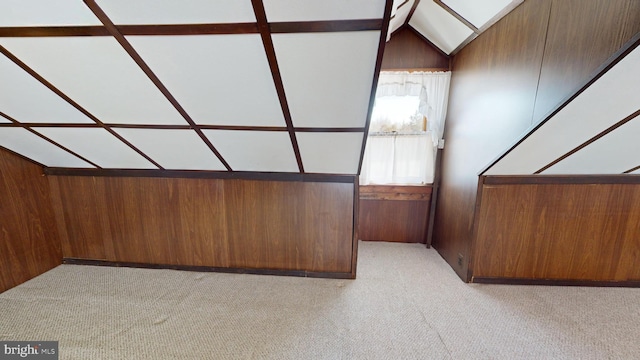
pixel 116 93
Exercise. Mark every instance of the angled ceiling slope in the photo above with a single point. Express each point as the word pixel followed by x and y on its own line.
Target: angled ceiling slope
pixel 230 85
pixel 449 24
pixel 595 132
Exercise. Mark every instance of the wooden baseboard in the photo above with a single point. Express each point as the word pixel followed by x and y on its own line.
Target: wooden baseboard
pixel 298 273
pixel 555 282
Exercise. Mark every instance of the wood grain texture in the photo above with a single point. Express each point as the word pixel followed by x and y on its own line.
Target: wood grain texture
pixel 29 241
pixel 394 213
pixel 493 88
pixel 225 223
pixel 406 50
pixel 585 232
pixel 582 35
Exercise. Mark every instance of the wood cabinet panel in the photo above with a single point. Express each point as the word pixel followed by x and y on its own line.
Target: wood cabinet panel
pixel 29 241
pixel 559 231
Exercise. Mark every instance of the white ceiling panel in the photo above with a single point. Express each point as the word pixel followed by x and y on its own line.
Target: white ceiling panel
pixel 27 100
pixel 174 149
pixel 477 12
pixel 327 77
pixel 440 27
pixel 268 151
pixel 98 74
pixel 228 81
pixel 635 172
pixel 331 153
pixel 3 120
pixel 310 10
pixel 45 13
pixel 34 147
pixel 614 153
pixel 400 16
pixel 610 99
pixel 98 146
pixel 178 12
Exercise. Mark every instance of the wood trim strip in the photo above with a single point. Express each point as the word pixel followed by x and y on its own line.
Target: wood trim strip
pixel 298 273
pixel 434 198
pixel 632 169
pixel 614 59
pixel 14 121
pixel 411 12
pixel 57 91
pixel 356 224
pixel 555 282
pixel 590 141
pixel 152 76
pixel 324 26
pixel 333 130
pixel 376 75
pixel 457 16
pixel 200 174
pixel 504 12
pixel 405 2
pixel 561 179
pixel 265 33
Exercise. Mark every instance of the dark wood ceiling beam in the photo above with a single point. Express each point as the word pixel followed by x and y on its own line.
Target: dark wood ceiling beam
pixel 325 26
pixel 457 16
pixel 16 122
pixel 71 102
pixel 632 170
pixel 193 29
pixel 411 12
pixel 265 34
pixel 376 73
pixel 152 76
pixel 591 140
pixel 185 127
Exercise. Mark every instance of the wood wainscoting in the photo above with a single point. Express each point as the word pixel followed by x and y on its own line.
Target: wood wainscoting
pixel 284 227
pixel 558 230
pixel 29 242
pixel 394 213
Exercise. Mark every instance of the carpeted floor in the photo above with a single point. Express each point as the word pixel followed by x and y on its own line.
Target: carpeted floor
pixel 406 304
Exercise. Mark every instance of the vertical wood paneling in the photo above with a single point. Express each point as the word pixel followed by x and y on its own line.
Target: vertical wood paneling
pixel 231 223
pixel 29 241
pixel 559 231
pixel 493 88
pixel 407 50
pixel 582 35
pixel 394 213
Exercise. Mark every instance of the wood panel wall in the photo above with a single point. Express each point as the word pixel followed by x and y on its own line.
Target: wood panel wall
pixel 558 230
pixel 501 84
pixel 29 241
pixel 394 213
pixel 408 50
pixel 305 227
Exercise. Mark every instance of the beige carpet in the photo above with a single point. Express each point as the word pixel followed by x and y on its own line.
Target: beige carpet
pixel 405 304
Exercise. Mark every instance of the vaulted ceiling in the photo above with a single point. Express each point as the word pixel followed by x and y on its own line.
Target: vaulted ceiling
pixel 226 85
pixel 231 85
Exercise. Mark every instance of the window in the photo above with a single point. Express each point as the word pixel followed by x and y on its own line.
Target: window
pixel 406 124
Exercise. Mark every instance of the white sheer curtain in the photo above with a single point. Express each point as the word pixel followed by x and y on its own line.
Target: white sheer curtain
pixel 408 159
